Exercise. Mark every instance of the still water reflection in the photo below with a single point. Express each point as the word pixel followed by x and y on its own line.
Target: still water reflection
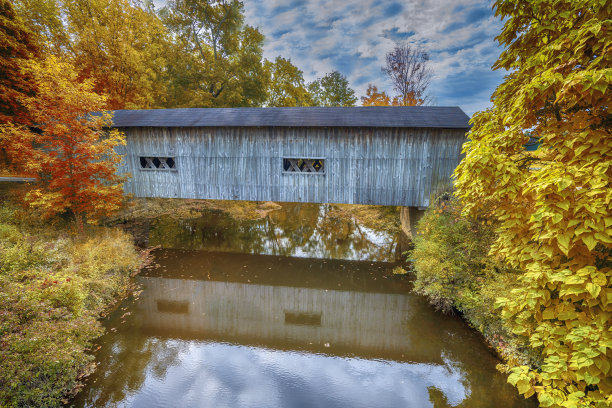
pixel 296 230
pixel 227 329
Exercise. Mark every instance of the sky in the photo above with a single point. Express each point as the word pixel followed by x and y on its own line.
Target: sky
pixel 353 36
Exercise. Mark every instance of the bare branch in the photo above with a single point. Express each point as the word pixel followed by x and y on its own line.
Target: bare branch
pixel 408 68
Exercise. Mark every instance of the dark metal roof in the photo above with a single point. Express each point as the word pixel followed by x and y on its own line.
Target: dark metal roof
pixel 371 116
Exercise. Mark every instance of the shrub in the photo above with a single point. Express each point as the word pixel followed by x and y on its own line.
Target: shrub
pixel 455 273
pixel 52 290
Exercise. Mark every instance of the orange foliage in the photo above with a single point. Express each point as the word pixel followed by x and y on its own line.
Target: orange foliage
pixel 408 100
pixel 68 149
pixel 17 44
pixel 375 98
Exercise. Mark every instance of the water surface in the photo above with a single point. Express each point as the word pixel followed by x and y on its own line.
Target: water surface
pixel 226 319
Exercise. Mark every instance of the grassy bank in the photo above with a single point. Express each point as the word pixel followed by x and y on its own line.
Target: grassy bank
pixel 455 272
pixel 54 286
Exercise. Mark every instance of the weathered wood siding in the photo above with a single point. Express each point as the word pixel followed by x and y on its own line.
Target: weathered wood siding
pixel 366 323
pixel 385 166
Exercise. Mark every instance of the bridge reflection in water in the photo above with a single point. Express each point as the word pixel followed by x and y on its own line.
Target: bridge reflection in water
pixel 371 325
pixel 218 329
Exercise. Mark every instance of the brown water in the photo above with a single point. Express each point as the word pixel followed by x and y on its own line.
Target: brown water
pixel 226 319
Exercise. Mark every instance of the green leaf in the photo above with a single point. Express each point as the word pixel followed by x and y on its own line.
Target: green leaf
pixel 563 204
pixel 523 385
pixel 603 237
pixel 591 379
pixel 564 240
pixel 514 378
pixel 546 400
pixel 589 241
pixel 599 279
pixel 593 289
pixel 549 313
pixel 601 86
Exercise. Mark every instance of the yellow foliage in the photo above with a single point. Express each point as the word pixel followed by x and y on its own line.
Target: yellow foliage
pixel 553 204
pixel 53 288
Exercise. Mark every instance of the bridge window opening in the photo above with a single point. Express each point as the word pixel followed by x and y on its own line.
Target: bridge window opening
pixel 295 165
pixel 172 306
pixel 157 163
pixel 308 319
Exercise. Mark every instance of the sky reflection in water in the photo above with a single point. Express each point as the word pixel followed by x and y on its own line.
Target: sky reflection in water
pixel 224 375
pixel 217 325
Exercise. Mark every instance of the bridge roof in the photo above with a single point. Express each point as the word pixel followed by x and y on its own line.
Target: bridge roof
pixel 370 116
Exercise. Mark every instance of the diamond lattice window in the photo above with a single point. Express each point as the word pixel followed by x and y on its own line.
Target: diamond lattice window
pixel 158 163
pixel 294 165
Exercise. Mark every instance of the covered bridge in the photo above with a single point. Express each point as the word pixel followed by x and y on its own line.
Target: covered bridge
pixel 362 155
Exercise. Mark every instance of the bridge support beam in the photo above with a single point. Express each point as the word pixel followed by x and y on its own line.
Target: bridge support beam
pixel 409 217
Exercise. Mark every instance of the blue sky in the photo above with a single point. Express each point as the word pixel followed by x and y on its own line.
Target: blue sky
pixel 320 36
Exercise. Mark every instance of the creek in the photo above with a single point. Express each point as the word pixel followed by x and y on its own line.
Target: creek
pixel 299 308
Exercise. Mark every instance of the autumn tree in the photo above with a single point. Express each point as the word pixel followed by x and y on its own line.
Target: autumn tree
pixel 253 78
pixel 375 98
pixel 189 54
pixel 69 149
pixel 121 44
pixel 47 18
pixel 220 57
pixel 17 45
pixel 554 203
pixel 122 47
pixel 287 86
pixel 408 69
pixel 332 90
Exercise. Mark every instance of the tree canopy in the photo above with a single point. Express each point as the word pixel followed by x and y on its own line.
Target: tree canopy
pixel 221 58
pixel 17 46
pixel 408 69
pixel 332 90
pixel 375 98
pixel 188 54
pixel 120 44
pixel 287 86
pixel 554 203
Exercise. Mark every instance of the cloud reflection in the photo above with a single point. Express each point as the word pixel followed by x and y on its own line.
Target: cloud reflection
pixel 223 375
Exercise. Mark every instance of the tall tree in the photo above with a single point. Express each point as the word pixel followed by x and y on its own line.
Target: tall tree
pixel 554 204
pixel 253 77
pixel 48 19
pixel 72 152
pixel 332 90
pixel 17 45
pixel 287 86
pixel 122 46
pixel 221 56
pixel 408 69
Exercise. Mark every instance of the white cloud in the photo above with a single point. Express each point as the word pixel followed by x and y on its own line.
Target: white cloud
pixel 321 35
